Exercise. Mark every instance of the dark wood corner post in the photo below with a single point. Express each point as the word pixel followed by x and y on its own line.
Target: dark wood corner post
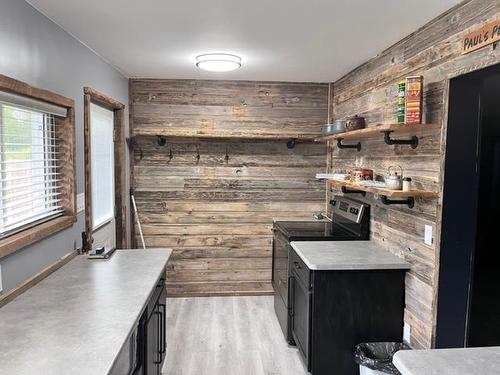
pixel 93 96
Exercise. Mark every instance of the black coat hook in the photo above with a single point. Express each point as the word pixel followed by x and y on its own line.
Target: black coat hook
pixel 226 157
pixel 291 143
pixel 161 140
pixel 197 154
pixel 170 155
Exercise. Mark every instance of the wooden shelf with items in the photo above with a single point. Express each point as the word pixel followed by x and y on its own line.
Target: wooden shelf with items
pixel 386 194
pixel 397 130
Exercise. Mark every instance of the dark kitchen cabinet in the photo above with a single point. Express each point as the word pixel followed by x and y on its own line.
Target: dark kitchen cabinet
pixel 155 344
pixel 155 338
pixel 332 311
pixel 300 322
pixel 145 349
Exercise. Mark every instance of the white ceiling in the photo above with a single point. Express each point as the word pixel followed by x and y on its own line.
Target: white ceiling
pixel 279 40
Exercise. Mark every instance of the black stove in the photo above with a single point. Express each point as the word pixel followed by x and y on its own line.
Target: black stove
pixel 311 231
pixel 350 222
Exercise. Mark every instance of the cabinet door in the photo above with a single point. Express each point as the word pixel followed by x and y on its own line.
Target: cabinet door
pixel 153 359
pixel 162 310
pixel 280 266
pixel 300 317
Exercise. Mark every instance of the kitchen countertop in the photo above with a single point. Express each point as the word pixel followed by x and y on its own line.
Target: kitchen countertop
pixel 464 361
pixel 76 320
pixel 346 255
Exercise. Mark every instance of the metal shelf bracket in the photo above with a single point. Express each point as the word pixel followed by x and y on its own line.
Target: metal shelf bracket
pixel 413 141
pixel 410 201
pixel 357 146
pixel 346 190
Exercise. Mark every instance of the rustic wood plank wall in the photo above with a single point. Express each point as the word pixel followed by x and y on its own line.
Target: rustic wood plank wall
pixel 371 91
pixel 216 212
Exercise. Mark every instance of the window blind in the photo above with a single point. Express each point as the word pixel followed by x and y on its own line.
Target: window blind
pixel 30 188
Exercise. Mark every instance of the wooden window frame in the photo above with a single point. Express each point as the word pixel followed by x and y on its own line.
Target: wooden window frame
pixel 66 146
pixel 94 96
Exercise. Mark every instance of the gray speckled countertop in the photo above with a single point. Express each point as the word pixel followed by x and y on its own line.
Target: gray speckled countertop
pixel 346 255
pixel 77 319
pixel 465 361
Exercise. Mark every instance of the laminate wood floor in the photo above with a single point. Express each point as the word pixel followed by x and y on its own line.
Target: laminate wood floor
pixel 227 336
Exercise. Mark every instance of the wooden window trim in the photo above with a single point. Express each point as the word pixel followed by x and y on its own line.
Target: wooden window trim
pixel 94 96
pixel 66 128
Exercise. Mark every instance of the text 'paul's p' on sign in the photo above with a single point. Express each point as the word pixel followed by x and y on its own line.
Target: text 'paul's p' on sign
pixel 486 35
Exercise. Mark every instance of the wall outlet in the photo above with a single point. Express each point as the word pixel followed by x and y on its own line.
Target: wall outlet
pixel 80 202
pixel 407 333
pixel 429 235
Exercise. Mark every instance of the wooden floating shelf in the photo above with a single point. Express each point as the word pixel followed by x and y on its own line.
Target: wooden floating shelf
pixel 374 131
pixel 229 136
pixel 383 191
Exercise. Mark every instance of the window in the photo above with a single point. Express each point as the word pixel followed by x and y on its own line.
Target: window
pixel 37 168
pixel 104 169
pixel 30 187
pixel 103 165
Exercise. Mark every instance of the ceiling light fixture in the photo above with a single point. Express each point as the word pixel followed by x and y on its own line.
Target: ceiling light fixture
pixel 218 62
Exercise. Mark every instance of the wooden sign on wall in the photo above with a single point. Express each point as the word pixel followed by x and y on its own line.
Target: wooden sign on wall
pixel 488 34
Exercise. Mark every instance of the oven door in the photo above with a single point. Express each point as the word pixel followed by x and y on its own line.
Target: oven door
pixel 300 321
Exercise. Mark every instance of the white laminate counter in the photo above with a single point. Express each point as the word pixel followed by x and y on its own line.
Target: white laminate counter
pixel 465 361
pixel 77 319
pixel 346 255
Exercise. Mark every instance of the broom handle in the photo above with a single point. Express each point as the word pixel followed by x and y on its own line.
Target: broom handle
pixel 138 221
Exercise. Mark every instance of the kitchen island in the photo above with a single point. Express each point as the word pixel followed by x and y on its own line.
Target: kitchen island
pixel 343 293
pixel 77 320
pixel 463 361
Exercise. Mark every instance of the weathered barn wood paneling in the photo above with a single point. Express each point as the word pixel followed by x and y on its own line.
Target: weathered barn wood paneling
pixel 216 212
pixel 228 108
pixel 371 91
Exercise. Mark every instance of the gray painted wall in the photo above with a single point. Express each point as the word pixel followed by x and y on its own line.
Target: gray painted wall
pixel 35 50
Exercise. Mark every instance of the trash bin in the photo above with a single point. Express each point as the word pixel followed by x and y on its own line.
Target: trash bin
pixel 375 358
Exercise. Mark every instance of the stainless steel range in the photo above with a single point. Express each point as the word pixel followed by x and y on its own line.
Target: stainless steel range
pixel 350 222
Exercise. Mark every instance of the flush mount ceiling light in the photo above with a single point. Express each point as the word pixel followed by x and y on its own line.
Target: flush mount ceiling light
pixel 218 62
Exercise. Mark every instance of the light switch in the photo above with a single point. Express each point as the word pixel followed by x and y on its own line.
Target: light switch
pixel 80 202
pixel 407 333
pixel 429 235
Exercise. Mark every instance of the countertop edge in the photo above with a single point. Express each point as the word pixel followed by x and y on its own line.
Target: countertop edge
pixel 399 365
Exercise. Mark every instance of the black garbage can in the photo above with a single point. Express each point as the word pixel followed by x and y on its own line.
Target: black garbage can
pixel 375 358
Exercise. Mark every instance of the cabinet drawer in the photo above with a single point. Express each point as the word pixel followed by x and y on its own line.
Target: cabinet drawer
pixel 300 268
